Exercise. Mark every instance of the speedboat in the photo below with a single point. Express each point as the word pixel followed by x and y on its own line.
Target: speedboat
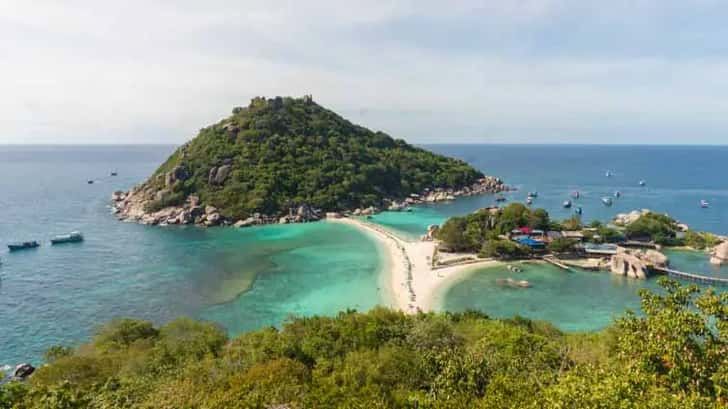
pixel 608 174
pixel 500 198
pixel 114 173
pixel 73 237
pixel 704 204
pixel 607 201
pixel 617 194
pixel 90 182
pixel 575 194
pixel 643 183
pixel 529 200
pixel 567 204
pixel 578 210
pixel 532 194
pixel 23 245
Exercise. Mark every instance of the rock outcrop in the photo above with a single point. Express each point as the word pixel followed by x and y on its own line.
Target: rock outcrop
pixel 636 263
pixel 719 256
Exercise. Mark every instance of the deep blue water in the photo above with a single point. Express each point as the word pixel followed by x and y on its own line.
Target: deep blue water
pixel 677 178
pixel 55 295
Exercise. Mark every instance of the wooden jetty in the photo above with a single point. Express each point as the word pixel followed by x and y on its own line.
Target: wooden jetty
pixel 553 260
pixel 707 280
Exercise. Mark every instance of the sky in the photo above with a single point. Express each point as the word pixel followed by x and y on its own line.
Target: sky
pixel 519 71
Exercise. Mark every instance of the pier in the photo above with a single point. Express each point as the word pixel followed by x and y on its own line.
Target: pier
pixel 701 279
pixel 553 260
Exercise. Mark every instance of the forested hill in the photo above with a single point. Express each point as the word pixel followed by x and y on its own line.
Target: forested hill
pixel 283 152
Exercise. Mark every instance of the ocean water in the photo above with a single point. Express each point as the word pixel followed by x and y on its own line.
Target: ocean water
pixel 59 294
pixel 677 178
pixel 249 278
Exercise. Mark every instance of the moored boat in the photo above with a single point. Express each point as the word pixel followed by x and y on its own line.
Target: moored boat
pixel 73 237
pixel 617 194
pixel 23 245
pixel 578 210
pixel 90 182
pixel 532 194
pixel 575 194
pixel 500 198
pixel 529 200
pixel 607 201
pixel 608 174
pixel 643 183
pixel 704 204
pixel 567 204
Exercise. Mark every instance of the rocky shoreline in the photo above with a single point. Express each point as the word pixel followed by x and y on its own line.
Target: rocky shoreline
pixel 133 206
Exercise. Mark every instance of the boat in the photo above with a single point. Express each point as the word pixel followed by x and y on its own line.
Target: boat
pixel 114 174
pixel 500 198
pixel 529 200
pixel 608 174
pixel 90 182
pixel 704 204
pixel 72 237
pixel 578 210
pixel 575 194
pixel 532 194
pixel 643 183
pixel 567 204
pixel 617 194
pixel 23 245
pixel 607 201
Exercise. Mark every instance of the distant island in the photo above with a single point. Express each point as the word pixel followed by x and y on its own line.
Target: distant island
pixel 283 160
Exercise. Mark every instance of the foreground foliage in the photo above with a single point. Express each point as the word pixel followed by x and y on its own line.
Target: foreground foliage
pixel 285 152
pixel 675 356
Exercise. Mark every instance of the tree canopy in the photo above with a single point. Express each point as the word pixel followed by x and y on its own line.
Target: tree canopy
pixel 673 356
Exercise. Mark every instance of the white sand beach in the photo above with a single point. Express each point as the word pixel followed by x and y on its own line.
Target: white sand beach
pixel 413 284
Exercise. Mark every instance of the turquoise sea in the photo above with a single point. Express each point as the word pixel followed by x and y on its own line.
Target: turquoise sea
pixel 250 278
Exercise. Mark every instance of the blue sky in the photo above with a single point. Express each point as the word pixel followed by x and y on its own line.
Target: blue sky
pixel 540 71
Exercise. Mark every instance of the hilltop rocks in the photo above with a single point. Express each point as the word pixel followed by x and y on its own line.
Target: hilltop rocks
pixel 720 254
pixel 218 174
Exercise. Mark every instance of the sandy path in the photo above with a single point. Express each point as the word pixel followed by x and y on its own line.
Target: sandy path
pixel 413 284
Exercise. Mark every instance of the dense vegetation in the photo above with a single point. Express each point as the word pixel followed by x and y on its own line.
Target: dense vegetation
pixel 675 356
pixel 472 232
pixel 660 228
pixel 284 152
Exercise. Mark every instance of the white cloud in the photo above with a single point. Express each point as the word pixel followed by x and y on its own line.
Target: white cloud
pixel 103 72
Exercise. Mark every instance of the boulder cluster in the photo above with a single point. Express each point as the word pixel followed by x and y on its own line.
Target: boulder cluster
pixel 720 254
pixel 637 263
pixel 136 204
pixel 487 184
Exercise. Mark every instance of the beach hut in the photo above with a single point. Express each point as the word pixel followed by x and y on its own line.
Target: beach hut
pixel 535 245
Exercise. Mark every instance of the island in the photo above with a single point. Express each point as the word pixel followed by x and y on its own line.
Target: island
pixel 286 160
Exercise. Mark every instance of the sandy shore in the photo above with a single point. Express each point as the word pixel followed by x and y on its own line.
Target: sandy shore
pixel 412 283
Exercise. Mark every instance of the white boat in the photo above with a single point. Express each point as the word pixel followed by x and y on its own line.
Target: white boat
pixel 704 204
pixel 607 201
pixel 643 183
pixel 567 204
pixel 72 237
pixel 608 174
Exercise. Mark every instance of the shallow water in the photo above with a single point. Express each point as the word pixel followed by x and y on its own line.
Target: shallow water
pixel 249 278
pixel 57 295
pixel 573 300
